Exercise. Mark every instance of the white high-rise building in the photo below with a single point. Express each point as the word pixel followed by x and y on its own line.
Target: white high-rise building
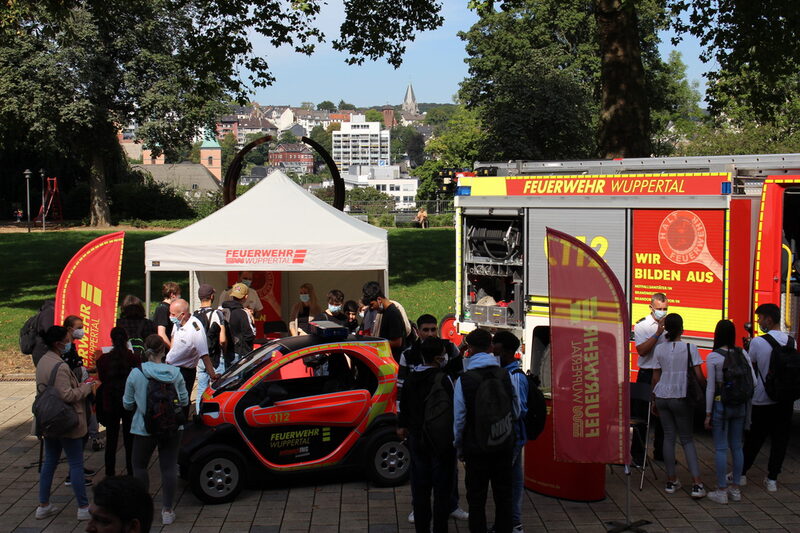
pixel 360 143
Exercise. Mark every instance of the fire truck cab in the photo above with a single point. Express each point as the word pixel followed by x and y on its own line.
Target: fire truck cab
pixel 718 235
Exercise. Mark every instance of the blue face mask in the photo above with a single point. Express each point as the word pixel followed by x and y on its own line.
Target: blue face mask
pixel 334 308
pixel 67 348
pixel 247 282
pixel 175 320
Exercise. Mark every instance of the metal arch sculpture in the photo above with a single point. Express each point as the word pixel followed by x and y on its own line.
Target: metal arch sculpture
pixel 234 170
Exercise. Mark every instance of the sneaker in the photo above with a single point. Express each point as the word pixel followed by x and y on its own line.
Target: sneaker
pixel 672 486
pixel 742 479
pixel 517 529
pixel 735 494
pixel 46 512
pixel 86 481
pixel 83 514
pixel 167 517
pixel 88 472
pixel 459 514
pixel 771 484
pixel 698 490
pixel 411 517
pixel 718 496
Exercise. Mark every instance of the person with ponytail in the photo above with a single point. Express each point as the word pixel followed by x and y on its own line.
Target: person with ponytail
pixel 673 359
pixel 112 370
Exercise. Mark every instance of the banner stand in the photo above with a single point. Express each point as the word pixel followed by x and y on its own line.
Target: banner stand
pixel 618 527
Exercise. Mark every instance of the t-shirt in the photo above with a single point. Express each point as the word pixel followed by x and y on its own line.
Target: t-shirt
pixel 392 327
pixel 714 365
pixel 161 317
pixel 643 330
pixel 761 354
pixel 670 357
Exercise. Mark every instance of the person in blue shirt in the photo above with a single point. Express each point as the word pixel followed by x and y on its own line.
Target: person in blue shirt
pixel 505 345
pixel 482 467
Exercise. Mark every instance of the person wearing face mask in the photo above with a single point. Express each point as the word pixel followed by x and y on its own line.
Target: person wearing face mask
pixel 252 301
pixel 351 316
pixel 648 333
pixel 73 392
pixel 170 291
pixel 334 312
pixel 189 345
pixel 769 418
pixel 74 325
pixel 391 323
pixel 243 331
pixel 302 310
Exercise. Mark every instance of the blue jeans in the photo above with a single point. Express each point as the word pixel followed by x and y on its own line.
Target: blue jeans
pixel 203 380
pixel 73 449
pixel 516 485
pixel 727 427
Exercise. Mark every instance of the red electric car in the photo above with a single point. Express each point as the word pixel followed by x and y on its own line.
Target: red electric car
pixel 294 405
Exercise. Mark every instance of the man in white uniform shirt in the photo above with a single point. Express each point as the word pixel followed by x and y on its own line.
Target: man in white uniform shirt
pixel 647 333
pixel 189 345
pixel 769 418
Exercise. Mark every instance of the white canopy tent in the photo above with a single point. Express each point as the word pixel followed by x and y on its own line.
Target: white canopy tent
pixel 276 226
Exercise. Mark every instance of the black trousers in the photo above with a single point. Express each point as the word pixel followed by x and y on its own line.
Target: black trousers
pixel 189 375
pixel 774 421
pixel 112 442
pixel 639 409
pixel 430 475
pixel 480 471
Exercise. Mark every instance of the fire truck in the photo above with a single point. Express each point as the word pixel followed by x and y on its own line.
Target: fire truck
pixel 718 235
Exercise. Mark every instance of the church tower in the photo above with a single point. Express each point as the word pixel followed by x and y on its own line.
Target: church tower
pixel 410 101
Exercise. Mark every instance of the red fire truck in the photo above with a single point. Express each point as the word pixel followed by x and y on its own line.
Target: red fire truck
pixel 718 235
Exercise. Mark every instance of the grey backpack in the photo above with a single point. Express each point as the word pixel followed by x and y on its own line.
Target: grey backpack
pixel 54 417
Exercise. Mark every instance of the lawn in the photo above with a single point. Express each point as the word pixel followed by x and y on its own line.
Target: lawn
pixel 421 275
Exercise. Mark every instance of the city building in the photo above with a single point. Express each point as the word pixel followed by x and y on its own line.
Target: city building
pixel 309 118
pixel 295 157
pixel 389 179
pixel 254 126
pixel 360 143
pixel 410 111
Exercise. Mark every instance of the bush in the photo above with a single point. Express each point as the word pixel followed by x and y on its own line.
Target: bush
pixel 386 220
pixel 442 220
pixel 203 207
pixel 148 201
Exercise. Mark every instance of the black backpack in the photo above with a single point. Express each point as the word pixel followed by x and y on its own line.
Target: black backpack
pixel 164 414
pixel 537 406
pixel 212 332
pixel 52 415
pixel 437 424
pixel 737 379
pixel 493 411
pixel 29 333
pixel 782 382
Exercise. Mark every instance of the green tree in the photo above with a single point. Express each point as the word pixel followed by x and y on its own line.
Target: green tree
pixel 344 106
pixel 76 69
pixel 407 140
pixel 307 105
pixel 287 137
pixel 754 46
pixel 676 105
pixel 437 117
pixel 369 200
pixel 326 105
pixel 229 151
pixel 373 115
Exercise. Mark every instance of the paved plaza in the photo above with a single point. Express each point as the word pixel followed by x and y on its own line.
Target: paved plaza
pixel 353 505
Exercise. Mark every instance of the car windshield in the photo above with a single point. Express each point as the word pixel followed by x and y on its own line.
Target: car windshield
pixel 244 368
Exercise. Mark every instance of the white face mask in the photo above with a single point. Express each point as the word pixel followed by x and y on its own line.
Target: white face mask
pixel 659 313
pixel 78 333
pixel 305 298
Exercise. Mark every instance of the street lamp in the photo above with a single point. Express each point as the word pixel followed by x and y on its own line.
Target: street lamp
pixel 28 194
pixel 44 209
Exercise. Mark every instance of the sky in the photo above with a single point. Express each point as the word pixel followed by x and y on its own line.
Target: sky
pixel 433 64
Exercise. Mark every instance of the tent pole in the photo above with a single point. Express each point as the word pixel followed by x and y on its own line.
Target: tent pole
pixel 147 292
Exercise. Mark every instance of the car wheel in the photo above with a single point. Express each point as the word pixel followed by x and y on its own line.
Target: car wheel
pixel 449 331
pixel 217 476
pixel 388 460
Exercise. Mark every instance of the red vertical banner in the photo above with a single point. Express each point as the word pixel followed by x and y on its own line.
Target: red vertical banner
pixel 89 288
pixel 589 328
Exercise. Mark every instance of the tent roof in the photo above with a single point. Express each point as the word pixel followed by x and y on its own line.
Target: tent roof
pixel 276 225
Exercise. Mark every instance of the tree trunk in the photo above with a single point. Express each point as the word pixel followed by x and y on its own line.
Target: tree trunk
pixel 99 213
pixel 624 111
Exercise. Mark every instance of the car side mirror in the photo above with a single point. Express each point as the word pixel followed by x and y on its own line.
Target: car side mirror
pixel 275 393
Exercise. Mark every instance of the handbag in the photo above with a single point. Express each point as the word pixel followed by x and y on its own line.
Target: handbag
pixel 694 391
pixel 54 417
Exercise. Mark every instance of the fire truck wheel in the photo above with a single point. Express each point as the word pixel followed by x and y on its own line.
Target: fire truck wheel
pixel 388 460
pixel 217 476
pixel 448 330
